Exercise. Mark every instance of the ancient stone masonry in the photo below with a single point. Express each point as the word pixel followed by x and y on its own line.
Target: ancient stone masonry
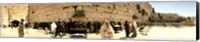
pixel 13 12
pixel 48 12
pixel 93 11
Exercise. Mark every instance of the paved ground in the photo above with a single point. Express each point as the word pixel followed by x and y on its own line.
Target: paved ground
pixel 155 33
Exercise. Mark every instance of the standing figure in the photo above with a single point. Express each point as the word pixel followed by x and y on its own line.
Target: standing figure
pixel 59 29
pixel 126 25
pixel 21 29
pixel 88 26
pixel 106 31
pixel 133 29
pixel 63 27
pixel 53 27
pixel 98 26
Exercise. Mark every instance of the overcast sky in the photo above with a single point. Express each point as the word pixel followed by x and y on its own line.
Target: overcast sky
pixel 181 8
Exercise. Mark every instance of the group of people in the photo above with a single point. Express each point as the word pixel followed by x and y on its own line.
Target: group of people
pixel 65 27
pixel 106 29
pixel 102 28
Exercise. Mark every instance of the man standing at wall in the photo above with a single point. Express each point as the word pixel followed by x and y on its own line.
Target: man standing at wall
pixel 21 29
pixel 126 25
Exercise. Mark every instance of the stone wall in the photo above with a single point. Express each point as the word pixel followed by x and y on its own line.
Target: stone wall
pixel 48 12
pixel 12 12
pixel 93 11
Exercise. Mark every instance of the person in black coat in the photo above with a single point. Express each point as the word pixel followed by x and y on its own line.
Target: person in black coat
pixel 88 25
pixel 63 27
pixel 69 25
pixel 126 25
pixel 95 27
pixel 98 26
pixel 59 29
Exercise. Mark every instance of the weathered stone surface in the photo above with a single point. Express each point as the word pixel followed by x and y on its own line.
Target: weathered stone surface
pixel 13 12
pixel 93 11
pixel 64 11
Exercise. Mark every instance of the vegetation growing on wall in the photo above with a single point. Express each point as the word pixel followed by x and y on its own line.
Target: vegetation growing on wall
pixel 141 11
pixel 135 17
pixel 153 10
pixel 138 7
pixel 79 13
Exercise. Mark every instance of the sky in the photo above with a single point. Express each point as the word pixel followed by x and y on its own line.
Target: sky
pixel 182 8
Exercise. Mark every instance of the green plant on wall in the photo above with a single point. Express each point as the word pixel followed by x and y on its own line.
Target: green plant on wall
pixel 143 12
pixel 189 18
pixel 135 17
pixel 79 13
pixel 153 10
pixel 150 19
pixel 138 7
pixel 140 10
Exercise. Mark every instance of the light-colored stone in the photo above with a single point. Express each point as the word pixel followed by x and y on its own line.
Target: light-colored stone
pixel 12 12
pixel 64 11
